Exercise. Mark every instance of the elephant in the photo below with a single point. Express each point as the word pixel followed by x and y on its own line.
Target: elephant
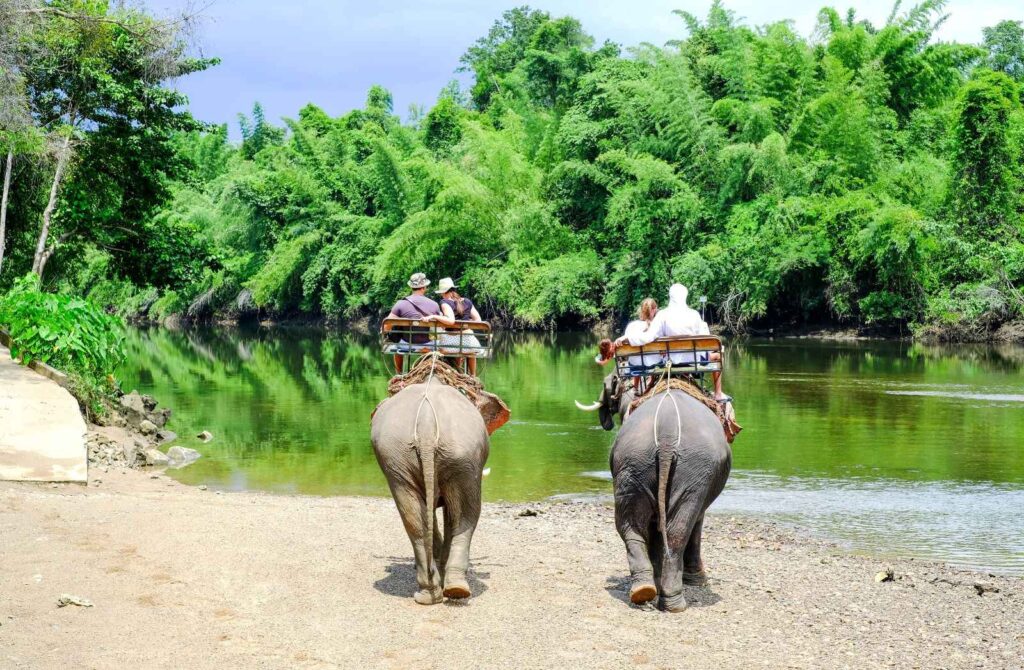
pixel 431 443
pixel 610 402
pixel 669 462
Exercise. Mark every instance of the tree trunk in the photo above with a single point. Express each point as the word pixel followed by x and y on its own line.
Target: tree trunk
pixel 41 256
pixel 3 205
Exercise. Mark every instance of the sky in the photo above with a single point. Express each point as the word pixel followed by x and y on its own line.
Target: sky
pixel 285 54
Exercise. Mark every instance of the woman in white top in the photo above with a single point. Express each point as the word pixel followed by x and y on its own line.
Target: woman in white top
pixel 638 363
pixel 679 319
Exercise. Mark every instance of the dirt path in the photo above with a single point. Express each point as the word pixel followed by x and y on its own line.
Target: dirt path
pixel 182 577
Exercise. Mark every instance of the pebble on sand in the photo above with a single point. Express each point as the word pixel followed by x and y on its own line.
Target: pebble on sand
pixel 68 599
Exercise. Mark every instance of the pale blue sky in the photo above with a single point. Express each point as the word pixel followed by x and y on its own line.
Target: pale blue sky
pixel 286 54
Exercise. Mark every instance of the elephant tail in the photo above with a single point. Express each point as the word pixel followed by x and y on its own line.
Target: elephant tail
pixel 426 452
pixel 666 453
pixel 426 449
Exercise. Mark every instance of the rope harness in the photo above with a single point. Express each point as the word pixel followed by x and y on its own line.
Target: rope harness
pixel 675 404
pixel 493 409
pixel 723 411
pixel 426 399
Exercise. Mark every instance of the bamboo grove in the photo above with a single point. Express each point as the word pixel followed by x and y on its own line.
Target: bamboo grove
pixel 864 176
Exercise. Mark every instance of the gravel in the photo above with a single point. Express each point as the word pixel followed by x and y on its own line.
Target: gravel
pixel 181 578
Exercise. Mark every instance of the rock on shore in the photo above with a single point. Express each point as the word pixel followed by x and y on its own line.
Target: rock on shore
pixel 130 433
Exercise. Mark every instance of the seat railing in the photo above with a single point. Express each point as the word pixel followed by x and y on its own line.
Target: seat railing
pixel 688 354
pixel 412 337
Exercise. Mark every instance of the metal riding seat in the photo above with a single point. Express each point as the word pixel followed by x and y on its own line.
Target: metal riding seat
pixel 689 355
pixel 414 338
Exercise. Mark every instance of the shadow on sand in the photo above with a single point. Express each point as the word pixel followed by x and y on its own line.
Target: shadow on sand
pixel 401 580
pixel 617 587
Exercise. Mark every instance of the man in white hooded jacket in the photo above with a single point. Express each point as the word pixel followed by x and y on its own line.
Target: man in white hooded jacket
pixel 677 319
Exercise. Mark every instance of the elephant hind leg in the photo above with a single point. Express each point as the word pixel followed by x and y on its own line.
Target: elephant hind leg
pixel 412 509
pixel 461 514
pixel 693 566
pixel 685 521
pixel 642 571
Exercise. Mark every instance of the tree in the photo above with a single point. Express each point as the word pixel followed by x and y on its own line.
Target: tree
pixel 97 77
pixel 493 57
pixel 441 129
pixel 1005 44
pixel 8 167
pixel 257 134
pixel 985 188
pixel 15 122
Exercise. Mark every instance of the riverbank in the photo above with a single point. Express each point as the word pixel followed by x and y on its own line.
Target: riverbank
pixel 1005 333
pixel 184 577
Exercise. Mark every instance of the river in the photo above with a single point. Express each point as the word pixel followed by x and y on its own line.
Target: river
pixel 892 448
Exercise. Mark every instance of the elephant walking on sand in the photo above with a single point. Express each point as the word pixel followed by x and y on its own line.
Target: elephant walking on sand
pixel 669 462
pixel 432 444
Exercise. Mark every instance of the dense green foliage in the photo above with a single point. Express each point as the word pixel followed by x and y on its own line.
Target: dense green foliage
pixel 95 128
pixel 70 333
pixel 868 175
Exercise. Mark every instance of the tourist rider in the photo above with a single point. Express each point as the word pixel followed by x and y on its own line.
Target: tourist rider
pixel 640 362
pixel 455 307
pixel 415 306
pixel 678 319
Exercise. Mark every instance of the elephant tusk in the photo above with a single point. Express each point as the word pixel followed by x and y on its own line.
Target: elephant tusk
pixel 588 408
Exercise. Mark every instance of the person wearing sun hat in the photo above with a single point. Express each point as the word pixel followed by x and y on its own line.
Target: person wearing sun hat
pixel 454 308
pixel 415 306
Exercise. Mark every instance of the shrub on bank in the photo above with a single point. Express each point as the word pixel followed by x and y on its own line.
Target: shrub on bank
pixel 69 333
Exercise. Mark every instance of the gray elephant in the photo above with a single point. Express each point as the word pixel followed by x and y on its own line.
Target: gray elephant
pixel 669 462
pixel 432 444
pixel 610 402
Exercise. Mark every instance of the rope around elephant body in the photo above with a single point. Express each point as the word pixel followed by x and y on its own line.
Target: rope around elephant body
pixel 657 410
pixel 426 399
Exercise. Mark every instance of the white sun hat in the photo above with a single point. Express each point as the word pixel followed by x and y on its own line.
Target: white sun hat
pixel 445 285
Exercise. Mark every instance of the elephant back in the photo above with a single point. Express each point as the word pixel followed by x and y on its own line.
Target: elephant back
pixel 698 424
pixel 428 409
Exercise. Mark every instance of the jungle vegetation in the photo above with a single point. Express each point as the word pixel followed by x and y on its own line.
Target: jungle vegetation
pixel 863 176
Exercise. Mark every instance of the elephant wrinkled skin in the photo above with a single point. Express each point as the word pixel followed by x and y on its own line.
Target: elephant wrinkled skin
pixel 669 462
pixel 432 445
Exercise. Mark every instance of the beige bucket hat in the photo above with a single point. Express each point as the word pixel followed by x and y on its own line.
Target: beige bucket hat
pixel 445 285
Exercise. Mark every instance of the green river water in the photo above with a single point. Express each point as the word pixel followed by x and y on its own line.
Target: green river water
pixel 892 448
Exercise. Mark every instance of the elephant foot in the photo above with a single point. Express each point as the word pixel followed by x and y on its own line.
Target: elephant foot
pixel 672 604
pixel 428 596
pixel 456 587
pixel 642 593
pixel 699 578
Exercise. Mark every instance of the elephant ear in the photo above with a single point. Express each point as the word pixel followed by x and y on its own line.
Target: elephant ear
pixel 493 410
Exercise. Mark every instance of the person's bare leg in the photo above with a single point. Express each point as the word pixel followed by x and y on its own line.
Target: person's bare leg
pixel 471 360
pixel 398 364
pixel 717 377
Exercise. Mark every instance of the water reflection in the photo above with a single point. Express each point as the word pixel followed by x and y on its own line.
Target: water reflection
pixel 289 409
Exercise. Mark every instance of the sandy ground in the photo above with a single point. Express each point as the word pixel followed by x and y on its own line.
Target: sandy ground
pixel 42 434
pixel 182 577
